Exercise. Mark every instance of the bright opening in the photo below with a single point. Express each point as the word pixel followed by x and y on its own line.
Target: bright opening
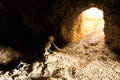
pixel 92 21
pixel 94 13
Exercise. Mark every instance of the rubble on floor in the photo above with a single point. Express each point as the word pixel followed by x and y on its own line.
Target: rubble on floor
pixel 88 59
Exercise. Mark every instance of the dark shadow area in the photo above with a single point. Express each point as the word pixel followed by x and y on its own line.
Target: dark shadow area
pixel 112 27
pixel 21 38
pixel 25 25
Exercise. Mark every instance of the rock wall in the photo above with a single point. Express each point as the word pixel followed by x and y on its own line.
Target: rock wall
pixel 26 24
pixel 112 28
pixel 68 29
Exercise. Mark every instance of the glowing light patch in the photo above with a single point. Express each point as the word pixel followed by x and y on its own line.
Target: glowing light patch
pixel 92 21
pixel 93 13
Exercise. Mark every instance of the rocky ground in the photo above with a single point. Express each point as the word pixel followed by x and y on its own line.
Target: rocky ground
pixel 88 59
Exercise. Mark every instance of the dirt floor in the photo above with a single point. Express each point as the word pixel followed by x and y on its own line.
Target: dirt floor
pixel 88 59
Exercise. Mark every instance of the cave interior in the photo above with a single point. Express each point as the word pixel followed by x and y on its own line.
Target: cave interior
pixel 25 25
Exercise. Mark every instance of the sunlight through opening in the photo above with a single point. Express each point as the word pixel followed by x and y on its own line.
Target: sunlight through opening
pixel 92 21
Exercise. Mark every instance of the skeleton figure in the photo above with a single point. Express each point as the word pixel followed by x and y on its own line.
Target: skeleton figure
pixel 48 45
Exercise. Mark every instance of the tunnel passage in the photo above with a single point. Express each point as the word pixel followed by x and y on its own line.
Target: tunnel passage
pixel 71 20
pixel 25 25
pixel 89 22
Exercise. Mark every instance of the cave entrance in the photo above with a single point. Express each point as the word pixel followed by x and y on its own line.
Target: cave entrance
pixel 92 22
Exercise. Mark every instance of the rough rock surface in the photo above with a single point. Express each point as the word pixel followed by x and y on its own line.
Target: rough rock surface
pixel 26 24
pixel 23 25
pixel 88 59
pixel 112 30
pixel 6 55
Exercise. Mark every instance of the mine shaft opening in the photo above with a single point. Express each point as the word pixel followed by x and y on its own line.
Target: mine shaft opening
pixel 92 22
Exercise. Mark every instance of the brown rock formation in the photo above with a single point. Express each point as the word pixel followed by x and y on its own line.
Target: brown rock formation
pixel 26 24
